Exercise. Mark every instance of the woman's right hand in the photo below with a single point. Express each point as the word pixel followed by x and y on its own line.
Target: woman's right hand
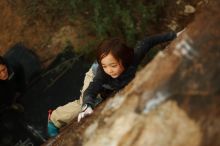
pixel 86 110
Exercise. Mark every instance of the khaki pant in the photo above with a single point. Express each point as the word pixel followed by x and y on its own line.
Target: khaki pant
pixel 64 114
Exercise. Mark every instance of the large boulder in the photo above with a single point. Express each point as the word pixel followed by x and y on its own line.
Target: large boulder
pixel 173 101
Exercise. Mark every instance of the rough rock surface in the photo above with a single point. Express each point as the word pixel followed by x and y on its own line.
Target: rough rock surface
pixel 173 101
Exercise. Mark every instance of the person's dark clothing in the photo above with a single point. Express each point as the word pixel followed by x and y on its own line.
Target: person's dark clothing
pixel 15 84
pixel 22 65
pixel 105 85
pixel 30 62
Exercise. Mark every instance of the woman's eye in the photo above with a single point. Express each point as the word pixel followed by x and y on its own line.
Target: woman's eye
pixel 114 65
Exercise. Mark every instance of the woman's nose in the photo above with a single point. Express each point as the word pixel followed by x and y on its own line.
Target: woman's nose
pixel 110 70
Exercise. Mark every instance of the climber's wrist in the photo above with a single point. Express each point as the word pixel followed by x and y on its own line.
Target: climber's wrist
pixel 85 106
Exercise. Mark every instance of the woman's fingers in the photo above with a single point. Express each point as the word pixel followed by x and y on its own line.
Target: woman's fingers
pixel 81 115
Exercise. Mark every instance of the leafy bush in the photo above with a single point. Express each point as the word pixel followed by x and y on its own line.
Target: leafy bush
pixel 128 19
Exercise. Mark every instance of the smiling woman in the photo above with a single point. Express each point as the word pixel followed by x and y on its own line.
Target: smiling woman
pixel 18 66
pixel 11 81
pixel 114 56
pixel 112 66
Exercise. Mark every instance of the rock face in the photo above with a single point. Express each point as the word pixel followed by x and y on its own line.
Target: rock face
pixel 173 101
pixel 47 38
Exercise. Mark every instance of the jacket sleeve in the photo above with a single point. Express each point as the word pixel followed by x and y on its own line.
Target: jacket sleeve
pixel 147 43
pixel 94 88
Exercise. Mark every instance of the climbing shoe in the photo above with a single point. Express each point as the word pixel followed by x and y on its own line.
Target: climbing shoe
pixel 52 130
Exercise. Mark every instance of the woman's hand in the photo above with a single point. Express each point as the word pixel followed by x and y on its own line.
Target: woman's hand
pixel 85 111
pixel 178 33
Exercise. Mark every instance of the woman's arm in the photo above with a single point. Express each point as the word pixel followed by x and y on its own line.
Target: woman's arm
pixel 147 43
pixel 94 88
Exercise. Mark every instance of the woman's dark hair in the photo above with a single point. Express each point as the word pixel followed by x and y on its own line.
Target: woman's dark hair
pixel 118 49
pixel 2 61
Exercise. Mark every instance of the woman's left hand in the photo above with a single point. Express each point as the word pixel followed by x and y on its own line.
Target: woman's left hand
pixel 86 110
pixel 178 33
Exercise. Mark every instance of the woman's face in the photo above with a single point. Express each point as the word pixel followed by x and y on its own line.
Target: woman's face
pixel 112 66
pixel 3 72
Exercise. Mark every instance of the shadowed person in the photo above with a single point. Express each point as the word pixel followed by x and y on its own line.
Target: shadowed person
pixel 17 68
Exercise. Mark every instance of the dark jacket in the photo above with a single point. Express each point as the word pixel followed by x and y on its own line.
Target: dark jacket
pixel 14 84
pixel 23 65
pixel 106 85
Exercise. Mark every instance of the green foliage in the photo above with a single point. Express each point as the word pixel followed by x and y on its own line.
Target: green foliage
pixel 128 19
